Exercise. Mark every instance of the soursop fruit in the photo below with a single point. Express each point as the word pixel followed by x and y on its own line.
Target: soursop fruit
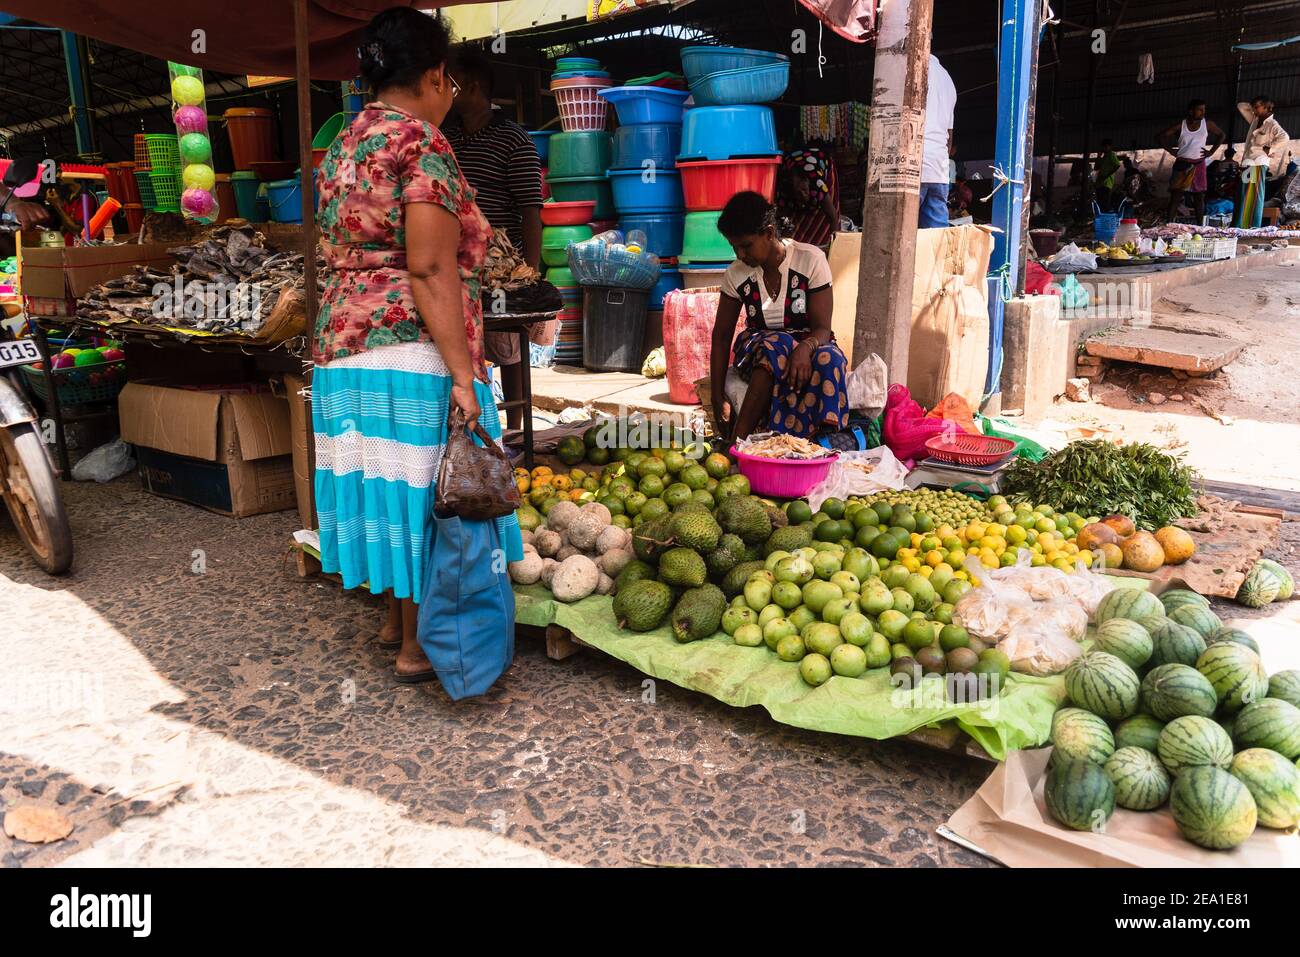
pixel 745 516
pixel 693 530
pixel 651 539
pixel 683 567
pixel 733 583
pixel 788 539
pixel 641 606
pixel 778 518
pixel 634 571
pixel 725 557
pixel 699 613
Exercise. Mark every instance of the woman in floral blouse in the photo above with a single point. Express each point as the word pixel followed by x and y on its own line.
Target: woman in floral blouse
pixel 399 337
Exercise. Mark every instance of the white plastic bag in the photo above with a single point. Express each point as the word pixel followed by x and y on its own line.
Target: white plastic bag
pixel 1043 644
pixel 993 609
pixel 843 480
pixel 1089 587
pixel 105 463
pixel 1070 258
pixel 867 386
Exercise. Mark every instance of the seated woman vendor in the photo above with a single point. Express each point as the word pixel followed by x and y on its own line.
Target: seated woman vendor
pixel 786 353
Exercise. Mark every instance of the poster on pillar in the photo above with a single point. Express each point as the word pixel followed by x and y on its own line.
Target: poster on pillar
pixel 893 161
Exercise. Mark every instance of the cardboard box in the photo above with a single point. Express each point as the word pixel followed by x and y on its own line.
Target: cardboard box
pixel 300 427
pixel 63 272
pixel 226 451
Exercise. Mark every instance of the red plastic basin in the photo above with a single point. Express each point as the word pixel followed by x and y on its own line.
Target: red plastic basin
pixel 574 213
pixel 708 184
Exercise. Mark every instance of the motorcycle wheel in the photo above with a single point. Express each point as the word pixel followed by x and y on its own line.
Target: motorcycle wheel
pixel 31 493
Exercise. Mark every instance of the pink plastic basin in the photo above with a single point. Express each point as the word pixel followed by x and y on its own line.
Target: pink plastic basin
pixel 782 478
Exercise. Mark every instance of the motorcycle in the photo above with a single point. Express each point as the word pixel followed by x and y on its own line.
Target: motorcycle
pixel 29 483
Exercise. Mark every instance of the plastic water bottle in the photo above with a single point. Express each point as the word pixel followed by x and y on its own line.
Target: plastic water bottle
pixel 1127 232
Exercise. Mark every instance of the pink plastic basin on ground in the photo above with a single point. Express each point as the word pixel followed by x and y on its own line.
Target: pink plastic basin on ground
pixel 782 478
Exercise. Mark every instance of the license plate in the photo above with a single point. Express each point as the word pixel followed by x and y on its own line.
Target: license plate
pixel 19 353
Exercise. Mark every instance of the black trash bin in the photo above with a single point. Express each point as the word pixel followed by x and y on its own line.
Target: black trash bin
pixel 613 323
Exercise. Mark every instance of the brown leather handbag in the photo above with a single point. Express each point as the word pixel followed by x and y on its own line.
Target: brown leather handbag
pixel 474 481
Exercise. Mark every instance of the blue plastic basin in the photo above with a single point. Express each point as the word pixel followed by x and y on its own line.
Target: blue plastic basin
pixel 657 143
pixel 698 61
pixel 727 132
pixel 647 191
pixel 760 84
pixel 663 232
pixel 542 141
pixel 646 104
pixel 669 279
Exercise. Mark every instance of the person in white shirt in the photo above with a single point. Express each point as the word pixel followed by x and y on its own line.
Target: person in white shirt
pixel 1265 142
pixel 1198 138
pixel 940 104
pixel 796 375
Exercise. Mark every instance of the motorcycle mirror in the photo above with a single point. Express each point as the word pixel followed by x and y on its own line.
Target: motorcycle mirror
pixel 23 177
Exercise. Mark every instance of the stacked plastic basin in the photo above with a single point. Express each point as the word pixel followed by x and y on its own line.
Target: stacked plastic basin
pixel 728 146
pixel 578 156
pixel 646 185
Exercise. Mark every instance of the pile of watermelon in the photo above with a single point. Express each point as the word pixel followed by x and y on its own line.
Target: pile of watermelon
pixel 1265 583
pixel 1169 706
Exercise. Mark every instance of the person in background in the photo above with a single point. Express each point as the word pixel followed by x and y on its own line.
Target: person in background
pixel 1106 166
pixel 500 161
pixel 1265 142
pixel 786 352
pixel 808 194
pixel 1191 142
pixel 399 337
pixel 940 105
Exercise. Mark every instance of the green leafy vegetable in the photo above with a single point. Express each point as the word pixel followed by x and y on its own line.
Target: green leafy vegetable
pixel 1096 477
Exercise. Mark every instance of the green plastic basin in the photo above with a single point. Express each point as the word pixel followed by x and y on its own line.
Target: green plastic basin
pixel 580 153
pixel 701 241
pixel 594 189
pixel 556 239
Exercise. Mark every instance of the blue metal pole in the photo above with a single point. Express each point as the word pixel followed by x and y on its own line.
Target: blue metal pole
pixel 81 124
pixel 1018 36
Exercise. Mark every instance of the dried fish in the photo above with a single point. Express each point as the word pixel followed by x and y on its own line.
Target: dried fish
pixel 773 445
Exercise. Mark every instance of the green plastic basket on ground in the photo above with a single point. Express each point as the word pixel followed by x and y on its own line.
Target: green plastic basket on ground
pixel 145 185
pixel 166 190
pixel 164 153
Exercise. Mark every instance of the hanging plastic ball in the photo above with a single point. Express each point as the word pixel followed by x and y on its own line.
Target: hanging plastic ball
pixel 191 119
pixel 187 90
pixel 198 202
pixel 195 148
pixel 198 176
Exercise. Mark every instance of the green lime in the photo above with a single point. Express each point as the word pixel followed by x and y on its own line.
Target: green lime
pixel 833 507
pixel 798 511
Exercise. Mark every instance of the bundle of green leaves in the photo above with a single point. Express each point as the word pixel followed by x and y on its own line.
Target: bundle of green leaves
pixel 1096 477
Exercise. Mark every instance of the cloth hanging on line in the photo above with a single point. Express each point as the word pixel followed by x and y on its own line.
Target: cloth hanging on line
pixel 1146 69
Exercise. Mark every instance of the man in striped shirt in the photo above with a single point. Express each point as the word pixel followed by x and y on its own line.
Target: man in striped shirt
pixel 500 162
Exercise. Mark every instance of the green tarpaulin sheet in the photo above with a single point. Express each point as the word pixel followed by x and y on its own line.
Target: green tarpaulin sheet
pixel 867 707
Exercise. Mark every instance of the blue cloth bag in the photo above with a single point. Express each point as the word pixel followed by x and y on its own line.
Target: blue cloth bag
pixel 467 612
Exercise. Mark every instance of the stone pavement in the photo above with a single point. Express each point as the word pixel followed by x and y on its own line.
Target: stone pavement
pixel 186 699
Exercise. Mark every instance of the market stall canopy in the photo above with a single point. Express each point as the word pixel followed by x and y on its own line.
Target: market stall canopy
pixel 239 36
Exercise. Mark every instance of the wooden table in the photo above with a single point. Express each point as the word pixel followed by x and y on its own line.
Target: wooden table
pixel 519 323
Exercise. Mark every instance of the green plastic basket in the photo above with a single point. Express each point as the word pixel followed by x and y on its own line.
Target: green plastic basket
pixel 75 387
pixel 164 153
pixel 166 190
pixel 145 185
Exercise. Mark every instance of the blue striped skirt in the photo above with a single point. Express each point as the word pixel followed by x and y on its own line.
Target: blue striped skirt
pixel 380 423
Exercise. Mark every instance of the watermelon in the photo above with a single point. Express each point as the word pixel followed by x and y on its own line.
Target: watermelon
pixel 1227 722
pixel 1212 808
pixel 1235 635
pixel 1285 685
pixel 1081 735
pixel 1236 674
pixel 1201 620
pixel 1139 731
pixel 1126 640
pixel 1134 604
pixel 1271 723
pixel 1283 576
pixel 1274 783
pixel 1172 691
pixel 1079 795
pixel 1193 741
pixel 1141 782
pixel 1103 684
pixel 1177 597
pixel 1260 587
pixel 1172 643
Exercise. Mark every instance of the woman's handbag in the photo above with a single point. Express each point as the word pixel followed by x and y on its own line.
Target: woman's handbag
pixel 474 481
pixel 467 610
